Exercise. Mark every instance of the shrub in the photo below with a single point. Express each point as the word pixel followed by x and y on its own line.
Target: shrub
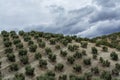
pixel 87 61
pixel 29 70
pixel 95 70
pixel 11 57
pixel 84 44
pixel 63 77
pixel 57 46
pixel 33 48
pixel 19 76
pixel 105 49
pixel 83 52
pixel 101 60
pixel 64 42
pixel 77 55
pixel 52 57
pixel 30 42
pixel 14 67
pixel 42 63
pixel 94 56
pixel 26 38
pixel 88 76
pixel 117 66
pixel 114 56
pixel 22 52
pixel 73 47
pixel 7 44
pixel 24 59
pixel 21 33
pixel 6 39
pixel 115 72
pixel 77 68
pixel 52 41
pixel 49 75
pixel 42 44
pixel 38 55
pixel 48 50
pixel 70 59
pixel 94 50
pixel 63 53
pixel 106 75
pixel 19 46
pixel 9 50
pixel 106 63
pixel 16 41
pixel 59 67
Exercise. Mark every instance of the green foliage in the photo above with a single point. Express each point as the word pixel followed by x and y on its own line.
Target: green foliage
pixel 22 52
pixel 33 48
pixel 7 44
pixel 63 77
pixel 70 59
pixel 19 76
pixel 48 50
pixel 16 41
pixel 38 55
pixel 84 44
pixel 9 50
pixel 105 49
pixel 29 70
pixel 14 67
pixel 42 63
pixel 19 46
pixel 88 76
pixel 94 56
pixel 49 75
pixel 114 56
pixel 73 47
pixel 42 44
pixel 77 68
pixel 105 63
pixel 63 53
pixel 52 41
pixel 52 57
pixel 95 70
pixel 30 42
pixel 77 55
pixel 24 59
pixel 59 67
pixel 11 57
pixel 117 66
pixel 94 50
pixel 27 38
pixel 87 61
pixel 57 46
pixel 21 33
pixel 106 75
pixel 115 72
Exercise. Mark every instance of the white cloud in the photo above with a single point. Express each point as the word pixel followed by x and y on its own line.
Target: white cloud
pixel 82 17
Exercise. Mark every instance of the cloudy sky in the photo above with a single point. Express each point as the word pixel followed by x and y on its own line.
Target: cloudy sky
pixel 86 18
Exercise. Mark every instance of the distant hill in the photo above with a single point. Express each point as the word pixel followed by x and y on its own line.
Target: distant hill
pixel 47 56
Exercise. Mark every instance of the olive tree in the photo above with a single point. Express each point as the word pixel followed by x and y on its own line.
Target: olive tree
pixel 11 57
pixel 114 56
pixel 70 59
pixel 19 76
pixel 59 67
pixel 14 67
pixel 43 63
pixel 29 70
pixel 77 68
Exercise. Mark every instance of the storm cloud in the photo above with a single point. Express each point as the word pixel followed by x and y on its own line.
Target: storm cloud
pixel 88 18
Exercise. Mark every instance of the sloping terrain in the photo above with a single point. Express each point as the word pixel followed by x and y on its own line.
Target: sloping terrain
pixel 46 56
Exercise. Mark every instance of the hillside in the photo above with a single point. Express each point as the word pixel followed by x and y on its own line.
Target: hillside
pixel 46 56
